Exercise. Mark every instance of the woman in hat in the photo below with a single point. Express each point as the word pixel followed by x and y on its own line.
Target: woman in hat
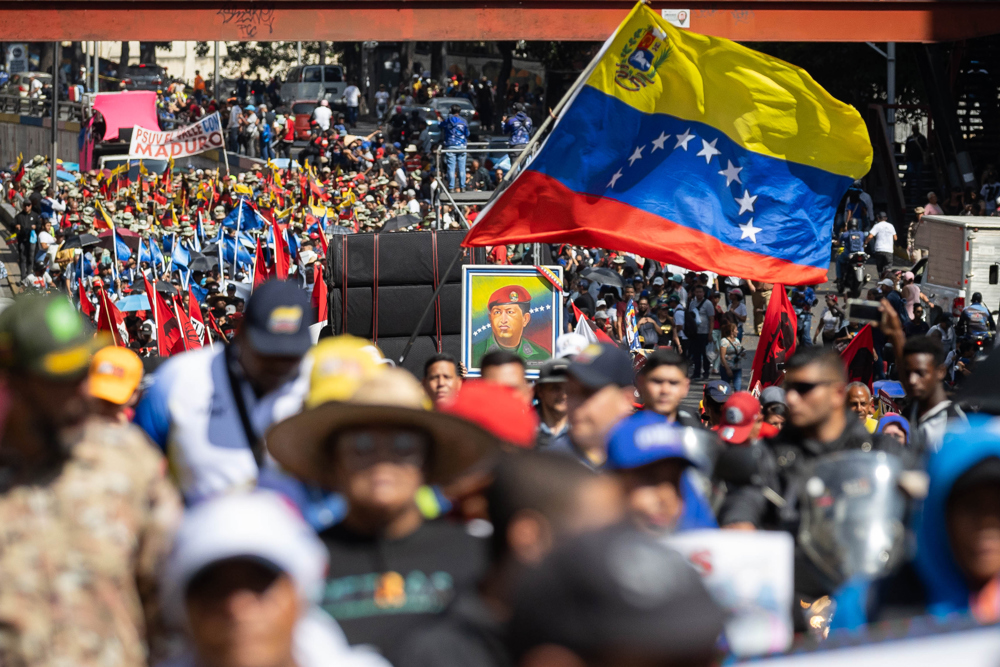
pixel 389 568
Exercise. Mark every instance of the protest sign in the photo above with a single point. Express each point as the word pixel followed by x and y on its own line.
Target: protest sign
pixel 750 575
pixel 205 135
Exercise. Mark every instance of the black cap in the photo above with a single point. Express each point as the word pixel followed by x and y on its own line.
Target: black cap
pixel 552 371
pixel 277 320
pixel 600 365
pixel 613 589
pixel 718 391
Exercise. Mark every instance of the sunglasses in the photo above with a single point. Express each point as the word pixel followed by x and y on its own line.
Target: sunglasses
pixel 803 388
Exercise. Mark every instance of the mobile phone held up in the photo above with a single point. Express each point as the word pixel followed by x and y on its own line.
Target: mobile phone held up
pixel 864 312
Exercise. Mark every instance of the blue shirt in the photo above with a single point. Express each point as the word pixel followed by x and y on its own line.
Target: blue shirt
pixel 853 242
pixel 519 129
pixel 455 131
pixel 978 317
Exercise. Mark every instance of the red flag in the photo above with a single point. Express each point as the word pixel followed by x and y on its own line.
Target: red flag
pixel 320 302
pixel 280 253
pixel 859 357
pixel 86 305
pixel 599 333
pixel 260 270
pixel 777 342
pixel 324 243
pixel 194 310
pixel 188 338
pixel 167 332
pixel 111 319
pixel 19 169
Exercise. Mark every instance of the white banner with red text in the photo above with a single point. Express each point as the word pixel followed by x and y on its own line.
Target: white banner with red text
pixel 205 135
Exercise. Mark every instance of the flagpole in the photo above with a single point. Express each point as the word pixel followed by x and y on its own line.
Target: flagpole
pixel 236 245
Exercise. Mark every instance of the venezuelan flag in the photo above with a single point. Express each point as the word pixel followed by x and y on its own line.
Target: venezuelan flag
pixel 691 150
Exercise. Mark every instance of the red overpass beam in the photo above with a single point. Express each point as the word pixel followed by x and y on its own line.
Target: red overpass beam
pixel 465 20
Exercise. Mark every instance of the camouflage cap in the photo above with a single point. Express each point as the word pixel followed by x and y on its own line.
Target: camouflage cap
pixel 46 336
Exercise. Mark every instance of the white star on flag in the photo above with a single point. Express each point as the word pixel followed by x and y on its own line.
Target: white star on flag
pixel 614 179
pixel 708 150
pixel 683 139
pixel 749 231
pixel 746 203
pixel 637 155
pixel 732 173
pixel 659 141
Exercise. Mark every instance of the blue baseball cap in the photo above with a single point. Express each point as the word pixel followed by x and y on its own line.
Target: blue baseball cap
pixel 645 438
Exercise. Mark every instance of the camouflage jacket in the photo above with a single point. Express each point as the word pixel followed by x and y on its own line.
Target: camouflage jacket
pixel 80 547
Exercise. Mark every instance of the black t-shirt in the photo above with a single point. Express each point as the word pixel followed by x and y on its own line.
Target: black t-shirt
pixel 379 590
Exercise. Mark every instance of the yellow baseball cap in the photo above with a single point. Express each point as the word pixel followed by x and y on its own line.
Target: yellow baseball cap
pixel 115 374
pixel 339 366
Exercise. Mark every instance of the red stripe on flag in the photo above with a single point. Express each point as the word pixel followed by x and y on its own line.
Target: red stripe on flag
pixel 561 215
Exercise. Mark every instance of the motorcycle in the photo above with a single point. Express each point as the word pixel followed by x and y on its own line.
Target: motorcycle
pixel 854 277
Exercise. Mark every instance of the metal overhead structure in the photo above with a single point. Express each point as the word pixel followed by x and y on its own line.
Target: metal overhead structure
pixel 453 20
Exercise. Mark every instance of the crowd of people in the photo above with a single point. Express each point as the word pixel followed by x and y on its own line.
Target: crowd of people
pixel 201 483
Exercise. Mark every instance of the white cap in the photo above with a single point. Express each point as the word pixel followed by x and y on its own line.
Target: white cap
pixel 570 345
pixel 887 282
pixel 658 280
pixel 600 315
pixel 260 524
pixel 601 303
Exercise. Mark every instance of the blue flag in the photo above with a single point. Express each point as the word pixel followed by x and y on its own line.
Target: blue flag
pixel 243 258
pixel 181 256
pixel 122 250
pixel 144 254
pixel 249 219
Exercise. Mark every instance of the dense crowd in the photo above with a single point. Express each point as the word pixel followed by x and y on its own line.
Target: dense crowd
pixel 260 498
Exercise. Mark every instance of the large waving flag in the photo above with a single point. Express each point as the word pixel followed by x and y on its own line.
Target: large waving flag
pixel 690 150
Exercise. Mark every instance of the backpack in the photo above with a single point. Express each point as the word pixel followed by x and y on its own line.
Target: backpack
pixel 691 320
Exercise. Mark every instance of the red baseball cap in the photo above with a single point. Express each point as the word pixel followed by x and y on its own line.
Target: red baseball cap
pixel 497 409
pixel 738 417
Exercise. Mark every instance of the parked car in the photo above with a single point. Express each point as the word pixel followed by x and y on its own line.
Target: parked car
pixel 430 116
pixel 302 113
pixel 442 107
pixel 315 82
pixel 23 82
pixel 144 77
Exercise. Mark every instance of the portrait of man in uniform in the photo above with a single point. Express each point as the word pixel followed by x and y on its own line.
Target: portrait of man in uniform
pixel 510 314
pixel 512 308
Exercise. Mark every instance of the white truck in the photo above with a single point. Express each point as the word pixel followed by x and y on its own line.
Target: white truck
pixel 963 257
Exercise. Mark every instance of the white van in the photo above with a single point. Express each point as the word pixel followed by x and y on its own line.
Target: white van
pixel 963 257
pixel 314 82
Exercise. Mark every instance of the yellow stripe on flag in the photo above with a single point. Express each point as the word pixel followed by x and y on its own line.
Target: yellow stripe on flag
pixel 762 103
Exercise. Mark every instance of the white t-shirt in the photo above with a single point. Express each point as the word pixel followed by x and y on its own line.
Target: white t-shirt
pixel 400 176
pixel 740 309
pixel 381 97
pixel 323 116
pixel 352 95
pixel 883 233
pixel 414 206
pixel 234 117
pixel 831 323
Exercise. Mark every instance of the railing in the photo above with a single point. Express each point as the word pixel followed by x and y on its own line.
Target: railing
pixel 888 169
pixel 40 107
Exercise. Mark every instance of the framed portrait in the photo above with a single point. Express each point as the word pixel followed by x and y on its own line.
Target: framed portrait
pixel 513 308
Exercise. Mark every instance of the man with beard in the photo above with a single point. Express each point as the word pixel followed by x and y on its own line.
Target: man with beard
pixel 86 514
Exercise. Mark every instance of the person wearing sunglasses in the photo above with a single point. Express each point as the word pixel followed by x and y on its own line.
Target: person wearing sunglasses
pixel 390 569
pixel 818 422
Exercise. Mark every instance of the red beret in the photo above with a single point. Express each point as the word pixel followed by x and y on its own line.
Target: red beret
pixel 509 294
